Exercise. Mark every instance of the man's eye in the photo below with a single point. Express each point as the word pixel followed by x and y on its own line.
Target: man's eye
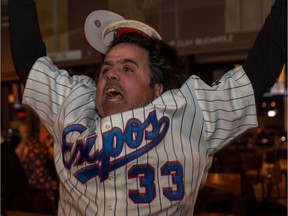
pixel 104 70
pixel 128 69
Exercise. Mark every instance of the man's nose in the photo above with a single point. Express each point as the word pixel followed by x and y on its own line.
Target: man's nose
pixel 112 74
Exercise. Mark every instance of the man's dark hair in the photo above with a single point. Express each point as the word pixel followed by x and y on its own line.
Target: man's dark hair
pixel 166 67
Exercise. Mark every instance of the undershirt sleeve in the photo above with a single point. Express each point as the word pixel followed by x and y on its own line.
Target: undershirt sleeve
pixel 25 37
pixel 269 52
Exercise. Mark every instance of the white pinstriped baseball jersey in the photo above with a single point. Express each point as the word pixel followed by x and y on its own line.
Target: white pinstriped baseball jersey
pixel 145 161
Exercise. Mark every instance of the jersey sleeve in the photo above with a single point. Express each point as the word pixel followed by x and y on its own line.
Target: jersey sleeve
pixel 48 88
pixel 228 107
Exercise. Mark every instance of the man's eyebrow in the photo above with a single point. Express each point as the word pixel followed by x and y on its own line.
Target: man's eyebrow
pixel 109 63
pixel 121 61
pixel 126 60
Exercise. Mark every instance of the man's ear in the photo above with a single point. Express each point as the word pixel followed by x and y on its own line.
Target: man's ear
pixel 158 89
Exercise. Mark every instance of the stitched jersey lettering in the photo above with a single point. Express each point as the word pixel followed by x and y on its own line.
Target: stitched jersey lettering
pixel 108 159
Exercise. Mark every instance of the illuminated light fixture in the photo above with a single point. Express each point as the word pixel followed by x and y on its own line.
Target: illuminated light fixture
pixel 11 99
pixel 271 113
pixel 283 138
pixel 264 104
pixel 273 104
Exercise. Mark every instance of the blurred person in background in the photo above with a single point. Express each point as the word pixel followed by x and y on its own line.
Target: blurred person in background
pixel 25 139
pixel 37 159
pixel 15 193
pixel 47 139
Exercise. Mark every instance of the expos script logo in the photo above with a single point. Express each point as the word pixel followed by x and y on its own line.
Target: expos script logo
pixel 99 163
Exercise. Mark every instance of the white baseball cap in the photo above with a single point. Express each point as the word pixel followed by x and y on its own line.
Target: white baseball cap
pixel 101 27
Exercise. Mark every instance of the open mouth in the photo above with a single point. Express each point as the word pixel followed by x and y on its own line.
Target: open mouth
pixel 113 94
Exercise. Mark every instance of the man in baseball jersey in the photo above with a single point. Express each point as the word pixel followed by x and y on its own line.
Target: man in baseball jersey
pixel 132 144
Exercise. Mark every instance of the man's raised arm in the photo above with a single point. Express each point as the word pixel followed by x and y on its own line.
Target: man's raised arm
pixel 25 37
pixel 269 52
